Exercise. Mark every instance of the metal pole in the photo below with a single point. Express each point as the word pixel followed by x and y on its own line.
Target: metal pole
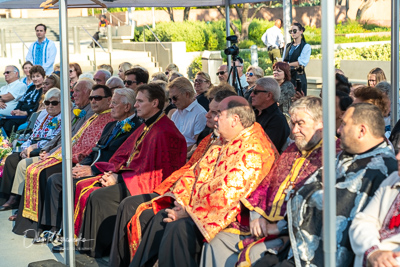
pixel 68 204
pixel 94 57
pixel 287 20
pixel 154 18
pixel 3 43
pixel 77 42
pixel 395 62
pixel 109 39
pixel 228 32
pixel 328 103
pixel 9 37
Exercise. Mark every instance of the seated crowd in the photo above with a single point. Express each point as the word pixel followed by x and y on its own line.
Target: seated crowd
pixel 175 172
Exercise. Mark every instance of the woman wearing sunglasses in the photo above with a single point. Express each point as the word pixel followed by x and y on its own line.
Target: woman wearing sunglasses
pixel 282 76
pixel 47 126
pixel 297 54
pixel 253 73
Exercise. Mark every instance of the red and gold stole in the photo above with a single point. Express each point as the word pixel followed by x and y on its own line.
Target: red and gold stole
pixel 90 132
pixel 134 229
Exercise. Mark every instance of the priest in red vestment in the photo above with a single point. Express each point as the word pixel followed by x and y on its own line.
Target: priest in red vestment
pixel 247 240
pixel 151 154
pixel 206 199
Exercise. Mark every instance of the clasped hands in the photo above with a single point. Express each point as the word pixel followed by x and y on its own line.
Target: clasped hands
pixel 25 153
pixel 262 228
pixel 108 179
pixel 80 171
pixel 176 213
pixel 383 258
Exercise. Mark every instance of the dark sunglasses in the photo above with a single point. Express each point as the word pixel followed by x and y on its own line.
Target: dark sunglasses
pixel 129 83
pixel 250 74
pixel 97 97
pixel 53 103
pixel 221 72
pixel 256 92
pixel 71 71
pixel 7 72
pixel 174 98
pixel 166 73
pixel 199 81
pixel 293 31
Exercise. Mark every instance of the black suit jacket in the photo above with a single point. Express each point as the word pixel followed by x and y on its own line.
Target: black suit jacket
pixel 108 151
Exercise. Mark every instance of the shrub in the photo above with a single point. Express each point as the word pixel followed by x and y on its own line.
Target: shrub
pixel 194 67
pixel 373 52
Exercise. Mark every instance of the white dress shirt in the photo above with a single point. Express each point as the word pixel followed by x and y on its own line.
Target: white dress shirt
pixel 17 89
pixel 273 37
pixel 190 121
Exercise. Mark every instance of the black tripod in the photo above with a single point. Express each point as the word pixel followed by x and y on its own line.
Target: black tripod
pixel 235 80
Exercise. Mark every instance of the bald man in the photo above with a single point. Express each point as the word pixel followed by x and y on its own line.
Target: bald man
pixel 227 172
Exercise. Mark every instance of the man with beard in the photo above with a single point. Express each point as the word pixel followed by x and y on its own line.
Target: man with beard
pixel 366 161
pixel 266 206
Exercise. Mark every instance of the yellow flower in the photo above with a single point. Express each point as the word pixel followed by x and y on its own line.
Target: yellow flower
pixel 127 127
pixel 77 111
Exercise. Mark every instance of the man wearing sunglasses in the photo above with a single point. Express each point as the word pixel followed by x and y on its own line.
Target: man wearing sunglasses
pixel 135 77
pixel 273 39
pixel 82 143
pixel 264 98
pixel 190 117
pixel 12 92
pixel 222 73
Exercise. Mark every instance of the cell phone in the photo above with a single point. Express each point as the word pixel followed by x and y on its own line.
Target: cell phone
pixel 298 85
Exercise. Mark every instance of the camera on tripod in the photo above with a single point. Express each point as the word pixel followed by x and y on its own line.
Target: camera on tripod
pixel 233 50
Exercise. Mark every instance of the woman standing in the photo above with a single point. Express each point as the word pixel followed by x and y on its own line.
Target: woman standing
pixel 282 76
pixel 27 79
pixel 297 54
pixel 252 75
pixel 202 83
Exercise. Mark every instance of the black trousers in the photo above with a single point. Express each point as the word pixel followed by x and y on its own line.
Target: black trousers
pixel 52 215
pixel 280 260
pixel 177 243
pixel 99 219
pixel 120 255
pixel 22 224
pixel 8 124
pixel 10 166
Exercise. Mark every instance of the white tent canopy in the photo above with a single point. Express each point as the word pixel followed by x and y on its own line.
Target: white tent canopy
pixel 32 4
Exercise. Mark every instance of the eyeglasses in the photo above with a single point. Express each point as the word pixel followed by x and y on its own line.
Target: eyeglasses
pixel 174 98
pixel 97 97
pixel 129 83
pixel 293 31
pixel 256 92
pixel 53 103
pixel 199 81
pixel 371 80
pixel 221 72
pixel 7 72
pixel 249 74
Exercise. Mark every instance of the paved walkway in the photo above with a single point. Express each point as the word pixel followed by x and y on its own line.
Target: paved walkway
pixel 19 251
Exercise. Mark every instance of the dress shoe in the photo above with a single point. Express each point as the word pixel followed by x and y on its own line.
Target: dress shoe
pixel 58 249
pixel 8 207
